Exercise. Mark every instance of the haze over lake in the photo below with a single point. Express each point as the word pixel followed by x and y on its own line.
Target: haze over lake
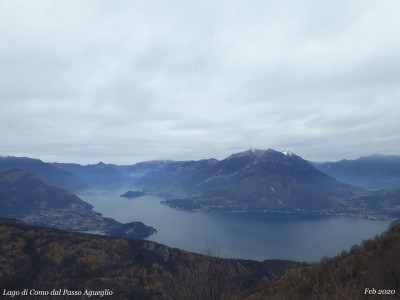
pixel 252 235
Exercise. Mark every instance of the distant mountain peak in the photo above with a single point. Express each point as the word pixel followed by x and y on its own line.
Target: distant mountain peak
pixel 249 180
pixel 256 156
pixel 248 153
pixel 287 153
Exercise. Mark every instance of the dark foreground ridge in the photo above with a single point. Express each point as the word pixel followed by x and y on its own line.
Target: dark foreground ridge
pixel 43 259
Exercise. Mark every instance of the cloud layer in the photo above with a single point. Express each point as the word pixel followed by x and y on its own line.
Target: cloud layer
pixel 130 81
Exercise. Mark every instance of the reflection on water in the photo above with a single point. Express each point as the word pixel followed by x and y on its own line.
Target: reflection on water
pixel 240 235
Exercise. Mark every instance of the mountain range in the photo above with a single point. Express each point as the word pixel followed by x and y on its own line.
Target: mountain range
pixel 371 172
pixel 260 180
pixel 96 175
pixel 250 180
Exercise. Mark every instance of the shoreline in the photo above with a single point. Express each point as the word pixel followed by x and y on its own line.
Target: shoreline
pixel 365 216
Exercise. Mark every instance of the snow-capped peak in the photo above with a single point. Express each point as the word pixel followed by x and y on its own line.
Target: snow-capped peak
pixel 287 153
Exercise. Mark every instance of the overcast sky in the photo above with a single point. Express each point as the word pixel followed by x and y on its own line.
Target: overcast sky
pixel 127 81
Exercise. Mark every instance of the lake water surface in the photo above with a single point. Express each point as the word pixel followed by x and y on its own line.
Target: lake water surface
pixel 249 235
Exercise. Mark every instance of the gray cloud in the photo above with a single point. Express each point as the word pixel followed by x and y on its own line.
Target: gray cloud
pixel 136 80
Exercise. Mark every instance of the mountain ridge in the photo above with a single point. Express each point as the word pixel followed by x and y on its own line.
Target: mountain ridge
pixel 253 180
pixel 26 197
pixel 248 180
pixel 371 172
pixel 45 171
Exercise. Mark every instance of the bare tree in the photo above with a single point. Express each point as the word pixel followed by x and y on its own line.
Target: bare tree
pixel 334 287
pixel 204 278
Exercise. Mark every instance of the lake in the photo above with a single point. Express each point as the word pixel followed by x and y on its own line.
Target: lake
pixel 250 235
